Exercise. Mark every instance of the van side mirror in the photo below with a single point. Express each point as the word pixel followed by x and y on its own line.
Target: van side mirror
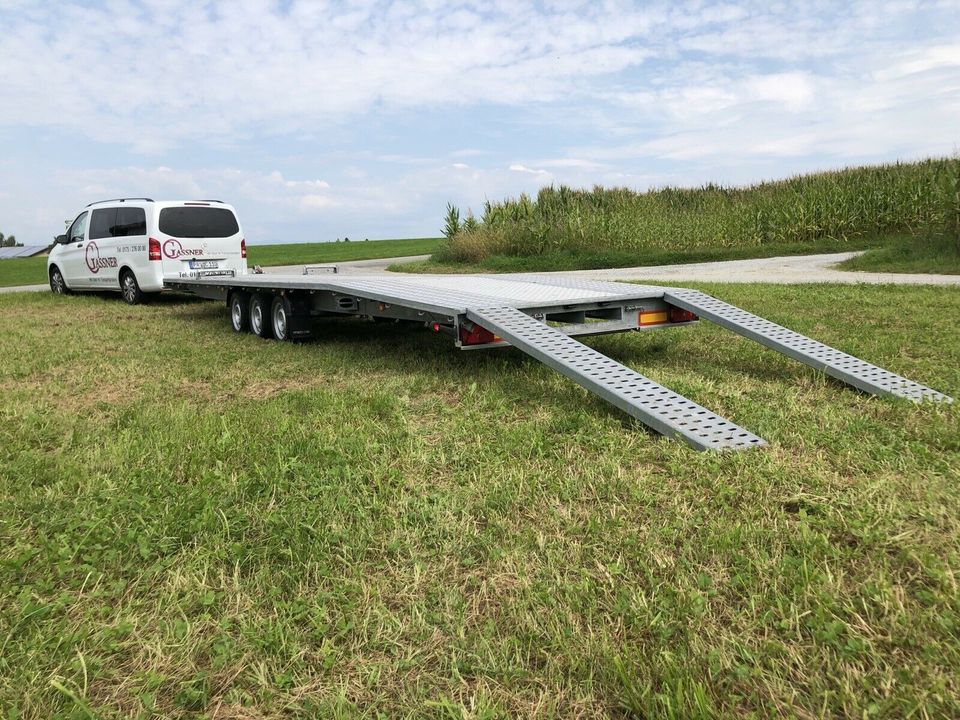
pixel 60 239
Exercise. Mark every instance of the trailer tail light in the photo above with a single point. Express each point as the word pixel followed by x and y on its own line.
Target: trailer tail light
pixel 679 315
pixel 652 317
pixel 154 246
pixel 477 335
pixel 243 247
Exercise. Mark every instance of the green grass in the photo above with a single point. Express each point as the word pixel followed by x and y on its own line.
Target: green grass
pixel 936 254
pixel 199 524
pixel 303 253
pixel 23 271
pixel 843 205
pixel 33 271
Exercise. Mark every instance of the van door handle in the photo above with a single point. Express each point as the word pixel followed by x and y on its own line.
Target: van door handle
pixel 79 245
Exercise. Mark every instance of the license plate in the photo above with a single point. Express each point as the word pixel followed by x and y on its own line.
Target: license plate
pixel 203 264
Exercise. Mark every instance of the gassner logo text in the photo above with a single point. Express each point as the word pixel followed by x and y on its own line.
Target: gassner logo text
pixel 173 248
pixel 95 262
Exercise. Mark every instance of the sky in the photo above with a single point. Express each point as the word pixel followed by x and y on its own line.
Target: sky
pixel 324 120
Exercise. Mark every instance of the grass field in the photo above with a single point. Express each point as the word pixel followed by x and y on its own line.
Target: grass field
pixel 303 253
pixel 33 271
pixel 195 523
pixel 936 254
pixel 23 271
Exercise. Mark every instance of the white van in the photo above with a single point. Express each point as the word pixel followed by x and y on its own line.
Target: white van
pixel 133 244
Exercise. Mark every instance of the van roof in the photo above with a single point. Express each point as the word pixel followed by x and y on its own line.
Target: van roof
pixel 150 200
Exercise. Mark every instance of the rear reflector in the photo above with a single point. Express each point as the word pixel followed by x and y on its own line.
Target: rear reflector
pixel 477 335
pixel 679 315
pixel 652 317
pixel 154 249
pixel 243 247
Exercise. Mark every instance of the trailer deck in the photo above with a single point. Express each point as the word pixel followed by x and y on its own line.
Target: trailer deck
pixel 540 315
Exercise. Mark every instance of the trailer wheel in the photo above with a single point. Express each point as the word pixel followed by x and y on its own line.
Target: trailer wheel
pixel 281 313
pixel 240 312
pixel 260 321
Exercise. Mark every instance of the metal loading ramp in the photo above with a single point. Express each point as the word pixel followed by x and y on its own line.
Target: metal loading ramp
pixel 657 407
pixel 853 371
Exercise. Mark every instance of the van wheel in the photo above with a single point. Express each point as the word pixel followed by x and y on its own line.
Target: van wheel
pixel 130 288
pixel 260 321
pixel 240 312
pixel 58 285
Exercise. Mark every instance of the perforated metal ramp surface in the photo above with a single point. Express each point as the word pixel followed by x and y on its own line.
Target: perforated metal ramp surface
pixel 849 369
pixel 654 405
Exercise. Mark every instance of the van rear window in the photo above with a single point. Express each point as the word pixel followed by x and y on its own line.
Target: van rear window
pixel 198 222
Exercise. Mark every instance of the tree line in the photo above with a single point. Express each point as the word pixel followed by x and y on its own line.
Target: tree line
pixel 9 241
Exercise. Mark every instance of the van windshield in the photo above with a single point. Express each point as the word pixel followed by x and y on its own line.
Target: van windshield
pixel 198 222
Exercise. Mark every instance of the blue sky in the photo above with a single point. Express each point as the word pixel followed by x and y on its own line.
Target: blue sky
pixel 320 120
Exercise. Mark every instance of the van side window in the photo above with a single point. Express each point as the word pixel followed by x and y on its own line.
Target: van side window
pixel 78 228
pixel 102 222
pixel 130 221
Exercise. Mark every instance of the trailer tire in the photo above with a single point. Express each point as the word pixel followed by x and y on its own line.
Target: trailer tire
pixel 261 323
pixel 281 314
pixel 240 312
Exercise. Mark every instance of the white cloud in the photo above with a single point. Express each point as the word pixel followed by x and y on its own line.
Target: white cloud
pixel 871 101
pixel 919 61
pixel 571 162
pixel 317 202
pixel 793 90
pixel 520 168
pixel 177 71
pixel 468 152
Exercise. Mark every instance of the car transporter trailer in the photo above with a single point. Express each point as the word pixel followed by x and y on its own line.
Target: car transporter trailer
pixel 540 315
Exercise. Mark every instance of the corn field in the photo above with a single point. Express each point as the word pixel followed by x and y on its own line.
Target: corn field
pixel 915 197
